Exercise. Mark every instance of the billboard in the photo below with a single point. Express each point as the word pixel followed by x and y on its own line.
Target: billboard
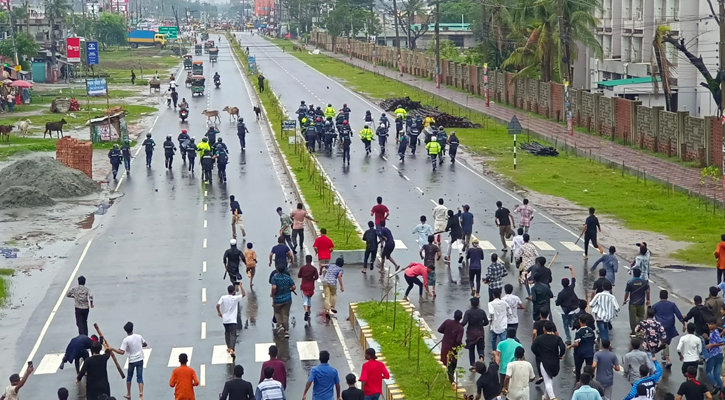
pixel 92 53
pixel 73 49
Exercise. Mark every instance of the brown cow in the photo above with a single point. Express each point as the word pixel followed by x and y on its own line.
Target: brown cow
pixel 54 126
pixel 5 133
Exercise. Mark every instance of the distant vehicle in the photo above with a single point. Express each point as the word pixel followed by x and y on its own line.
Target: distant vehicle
pixel 139 37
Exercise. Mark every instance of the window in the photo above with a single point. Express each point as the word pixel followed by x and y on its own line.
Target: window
pixel 457 40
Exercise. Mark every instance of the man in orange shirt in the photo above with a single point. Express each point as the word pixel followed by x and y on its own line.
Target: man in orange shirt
pixel 720 256
pixel 183 380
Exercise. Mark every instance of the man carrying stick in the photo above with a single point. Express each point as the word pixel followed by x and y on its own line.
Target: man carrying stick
pixel 132 344
pixel 94 369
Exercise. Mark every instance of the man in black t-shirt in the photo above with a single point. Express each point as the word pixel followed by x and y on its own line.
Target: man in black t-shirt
pixel 237 388
pixel 692 389
pixel 488 383
pixel 591 225
pixel 637 292
pixel 598 285
pixel 429 252
pixel 504 220
pixel 233 257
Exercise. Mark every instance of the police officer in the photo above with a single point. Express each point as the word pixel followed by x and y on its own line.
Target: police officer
pixel 207 160
pixel 191 153
pixel 311 136
pixel 222 158
pixel 402 146
pixel 345 142
pixel 182 139
pixel 398 127
pixel 366 135
pixel 319 112
pixel 368 118
pixel 418 123
pixel 413 139
pixel 382 133
pixel 385 121
pixel 434 149
pixel 148 145
pixel 329 136
pixel 442 140
pixel 126 151
pixel 169 150
pixel 242 133
pixel 301 111
pixel 346 110
pixel 115 157
pixel 453 143
pixel 329 111
pixel 400 112
pixel 320 131
pixel 339 120
pixel 211 134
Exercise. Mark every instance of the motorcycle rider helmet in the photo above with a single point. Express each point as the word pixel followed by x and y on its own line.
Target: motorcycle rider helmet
pixel 319 119
pixel 219 140
pixel 240 119
pixel 344 122
pixel 318 108
pixel 168 137
pixel 183 131
pixel 440 127
pixel 148 135
pixel 344 105
pixel 192 140
pixel 204 139
pixel 302 103
pixel 329 104
pixel 382 116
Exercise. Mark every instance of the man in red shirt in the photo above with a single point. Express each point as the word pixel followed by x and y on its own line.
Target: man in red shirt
pixel 280 372
pixel 373 373
pixel 380 212
pixel 308 275
pixel 323 247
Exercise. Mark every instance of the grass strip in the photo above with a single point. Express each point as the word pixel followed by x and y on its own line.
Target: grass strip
pixel 317 192
pixel 637 204
pixel 3 288
pixel 19 145
pixel 417 373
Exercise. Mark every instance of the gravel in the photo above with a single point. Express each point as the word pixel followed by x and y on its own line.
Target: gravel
pixel 24 196
pixel 46 174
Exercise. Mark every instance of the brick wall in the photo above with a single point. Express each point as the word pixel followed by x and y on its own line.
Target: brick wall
pixel 623 120
pixel 510 89
pixel 575 102
pixel 716 142
pixel 694 137
pixel 646 135
pixel 520 87
pixel 544 99
pixel 606 114
pixel 668 133
pixel 557 102
pixel 588 113
pixel 532 95
pixel 74 154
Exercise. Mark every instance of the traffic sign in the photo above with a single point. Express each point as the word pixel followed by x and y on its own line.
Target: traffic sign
pixel 92 53
pixel 289 125
pixel 514 127
pixel 171 32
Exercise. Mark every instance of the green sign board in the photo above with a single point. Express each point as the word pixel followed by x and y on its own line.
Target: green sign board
pixel 171 32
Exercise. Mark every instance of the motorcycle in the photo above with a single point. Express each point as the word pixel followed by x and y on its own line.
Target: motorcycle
pixel 217 83
pixel 183 114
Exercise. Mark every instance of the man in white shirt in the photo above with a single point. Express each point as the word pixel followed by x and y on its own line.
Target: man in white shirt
pixel 227 308
pixel 513 304
pixel 517 243
pixel 497 312
pixel 440 219
pixel 132 344
pixel 689 348
pixel 423 230
pixel 519 374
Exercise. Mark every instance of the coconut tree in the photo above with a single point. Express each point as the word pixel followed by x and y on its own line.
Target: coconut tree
pixel 664 67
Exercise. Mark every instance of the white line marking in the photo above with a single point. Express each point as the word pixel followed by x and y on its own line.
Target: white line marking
pixel 49 364
pixel 419 189
pixel 571 246
pixel 202 375
pixel 203 330
pixel 204 245
pixel 308 350
pixel 406 178
pixel 542 245
pixel 205 207
pixel 399 245
pixel 174 356
pixel 146 355
pixel 205 222
pixel 434 202
pixel 486 245
pixel 205 193
pixel 219 355
pixel 396 168
pixel 43 331
pixel 203 266
pixel 345 350
pixel 203 295
pixel 261 352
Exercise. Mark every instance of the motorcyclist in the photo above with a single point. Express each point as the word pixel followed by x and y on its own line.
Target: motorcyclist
pixel 182 139
pixel 211 134
pixel 400 112
pixel 434 149
pixel 453 143
pixel 183 105
pixel 174 97
pixel 329 111
pixel 311 137
pixel 366 135
pixel 207 160
pixel 368 118
pixel 126 151
pixel 384 120
pixel 191 153
pixel 222 158
pixel 115 156
pixel 217 77
pixel 242 133
pixel 148 145
pixel 382 133
pixel 346 110
pixel 169 150
pixel 329 136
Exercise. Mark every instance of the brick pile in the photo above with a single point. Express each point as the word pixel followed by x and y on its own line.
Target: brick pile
pixel 74 154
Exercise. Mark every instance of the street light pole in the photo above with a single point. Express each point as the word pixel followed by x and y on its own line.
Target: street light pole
pixel 438 44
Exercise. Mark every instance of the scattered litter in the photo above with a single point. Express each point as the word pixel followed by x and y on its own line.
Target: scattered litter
pixel 24 196
pixel 537 149
pixel 49 176
pixel 8 252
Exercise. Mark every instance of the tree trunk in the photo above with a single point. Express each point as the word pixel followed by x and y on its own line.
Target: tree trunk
pixel 663 77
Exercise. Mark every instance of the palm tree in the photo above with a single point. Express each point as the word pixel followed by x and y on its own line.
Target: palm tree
pixel 664 67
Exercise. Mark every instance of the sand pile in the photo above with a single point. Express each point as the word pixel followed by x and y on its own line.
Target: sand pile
pixel 24 196
pixel 48 176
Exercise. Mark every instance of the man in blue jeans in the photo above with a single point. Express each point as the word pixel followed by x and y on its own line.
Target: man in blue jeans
pixel 604 307
pixel 133 344
pixel 325 379
pixel 569 303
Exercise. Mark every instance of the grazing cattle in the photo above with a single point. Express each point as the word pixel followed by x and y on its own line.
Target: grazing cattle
pixel 233 112
pixel 5 133
pixel 23 126
pixel 54 126
pixel 209 114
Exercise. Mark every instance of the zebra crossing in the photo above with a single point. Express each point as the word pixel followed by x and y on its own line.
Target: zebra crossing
pixel 539 244
pixel 306 351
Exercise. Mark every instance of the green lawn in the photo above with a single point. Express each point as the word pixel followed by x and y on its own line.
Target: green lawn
pixel 118 62
pixel 3 288
pixel 19 145
pixel 317 194
pixel 419 379
pixel 651 207
pixel 80 117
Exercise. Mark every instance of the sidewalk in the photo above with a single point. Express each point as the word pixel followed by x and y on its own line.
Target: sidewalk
pixel 604 151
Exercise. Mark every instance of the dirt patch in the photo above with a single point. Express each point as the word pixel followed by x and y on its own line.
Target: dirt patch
pixel 24 196
pixel 49 176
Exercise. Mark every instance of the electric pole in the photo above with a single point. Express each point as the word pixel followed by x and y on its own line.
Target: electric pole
pixel 397 35
pixel 438 44
pixel 722 67
pixel 484 36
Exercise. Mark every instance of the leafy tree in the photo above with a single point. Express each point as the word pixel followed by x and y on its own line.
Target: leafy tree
pixel 26 45
pixel 449 51
pixel 110 30
pixel 451 11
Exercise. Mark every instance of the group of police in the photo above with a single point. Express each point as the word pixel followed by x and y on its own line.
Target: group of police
pixel 326 127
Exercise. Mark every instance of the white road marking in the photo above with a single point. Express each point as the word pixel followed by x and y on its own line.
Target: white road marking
pixel 49 364
pixel 205 207
pixel 345 350
pixel 203 295
pixel 486 245
pixel 202 375
pixel 174 356
pixel 434 202
pixel 203 330
pixel 572 246
pixel 203 266
pixel 406 178
pixel 204 245
pixel 205 222
pixel 261 352
pixel 542 245
pixel 146 355
pixel 399 245
pixel 396 168
pixel 308 350
pixel 43 331
pixel 205 193
pixel 419 189
pixel 220 356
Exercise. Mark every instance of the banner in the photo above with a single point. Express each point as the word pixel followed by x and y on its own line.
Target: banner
pixel 73 49
pixel 92 53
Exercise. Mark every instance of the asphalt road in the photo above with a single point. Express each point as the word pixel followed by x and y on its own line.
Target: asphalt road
pixel 411 190
pixel 157 261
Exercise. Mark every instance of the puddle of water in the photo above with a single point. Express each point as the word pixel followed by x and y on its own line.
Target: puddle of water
pixel 101 209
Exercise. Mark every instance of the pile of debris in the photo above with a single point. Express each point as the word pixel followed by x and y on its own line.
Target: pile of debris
pixel 46 178
pixel 415 109
pixel 24 196
pixel 537 149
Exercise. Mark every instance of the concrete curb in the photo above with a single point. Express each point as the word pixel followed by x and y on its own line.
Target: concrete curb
pixel 391 390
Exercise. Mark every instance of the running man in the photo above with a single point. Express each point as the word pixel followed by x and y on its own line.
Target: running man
pixel 133 344
pixel 504 220
pixel 440 219
pixel 380 212
pixel 527 215
pixel 228 308
pixel 591 225
pixel 388 246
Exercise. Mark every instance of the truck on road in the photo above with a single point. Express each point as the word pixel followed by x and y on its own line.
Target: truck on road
pixel 140 37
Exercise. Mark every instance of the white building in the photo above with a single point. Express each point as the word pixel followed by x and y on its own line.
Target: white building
pixel 626 32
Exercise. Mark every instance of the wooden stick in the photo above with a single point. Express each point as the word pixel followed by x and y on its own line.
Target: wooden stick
pixel 552 260
pixel 113 355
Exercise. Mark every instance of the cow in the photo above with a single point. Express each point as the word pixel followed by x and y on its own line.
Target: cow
pixel 23 126
pixel 233 112
pixel 5 133
pixel 209 114
pixel 54 126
